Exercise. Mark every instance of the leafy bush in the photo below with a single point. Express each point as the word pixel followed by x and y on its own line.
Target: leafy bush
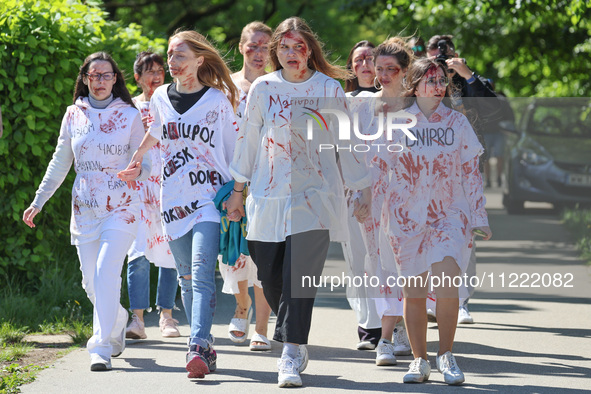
pixel 42 45
pixel 578 222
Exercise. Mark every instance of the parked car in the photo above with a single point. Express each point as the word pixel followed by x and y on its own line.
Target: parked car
pixel 549 154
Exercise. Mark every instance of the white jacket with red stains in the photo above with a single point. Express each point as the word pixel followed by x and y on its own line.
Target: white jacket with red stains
pixel 295 186
pixel 100 142
pixel 150 240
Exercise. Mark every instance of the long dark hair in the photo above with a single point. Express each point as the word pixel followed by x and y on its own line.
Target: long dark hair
pixel 119 89
pixel 353 83
pixel 317 60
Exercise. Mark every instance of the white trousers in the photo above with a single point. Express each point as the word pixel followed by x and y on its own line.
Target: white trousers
pixel 101 262
pixel 360 301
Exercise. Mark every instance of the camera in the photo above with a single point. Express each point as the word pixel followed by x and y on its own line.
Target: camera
pixel 442 56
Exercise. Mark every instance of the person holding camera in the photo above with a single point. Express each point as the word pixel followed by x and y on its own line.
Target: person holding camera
pixel 466 81
pixel 480 112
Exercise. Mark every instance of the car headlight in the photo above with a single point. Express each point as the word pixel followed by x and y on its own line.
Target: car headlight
pixel 534 158
pixel 534 154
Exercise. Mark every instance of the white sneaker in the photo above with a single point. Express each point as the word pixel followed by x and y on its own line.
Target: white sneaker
pixel 168 326
pixel 385 353
pixel 118 344
pixel 464 316
pixel 98 363
pixel 136 329
pixel 401 343
pixel 418 371
pixel 365 345
pixel 302 358
pixel 446 364
pixel 289 375
pixel 431 315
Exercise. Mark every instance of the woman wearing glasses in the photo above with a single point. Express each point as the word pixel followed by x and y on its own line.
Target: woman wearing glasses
pixel 98 134
pixel 150 245
pixel 433 203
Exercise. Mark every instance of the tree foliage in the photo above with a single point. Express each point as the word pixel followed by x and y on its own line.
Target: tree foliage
pixel 529 47
pixel 42 45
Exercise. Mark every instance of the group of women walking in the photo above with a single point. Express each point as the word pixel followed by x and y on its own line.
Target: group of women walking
pixel 415 209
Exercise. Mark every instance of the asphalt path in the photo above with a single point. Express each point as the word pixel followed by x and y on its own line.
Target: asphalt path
pixel 525 339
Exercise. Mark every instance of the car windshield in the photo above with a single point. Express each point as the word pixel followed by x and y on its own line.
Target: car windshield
pixel 568 118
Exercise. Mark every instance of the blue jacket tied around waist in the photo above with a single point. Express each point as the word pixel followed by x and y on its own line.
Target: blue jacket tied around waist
pixel 232 234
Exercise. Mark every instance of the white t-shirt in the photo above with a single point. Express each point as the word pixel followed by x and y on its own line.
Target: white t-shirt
pixel 241 104
pixel 101 143
pixel 150 241
pixel 294 187
pixel 195 150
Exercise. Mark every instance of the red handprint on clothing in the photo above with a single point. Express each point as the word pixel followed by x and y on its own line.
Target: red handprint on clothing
pixel 435 212
pixel 412 170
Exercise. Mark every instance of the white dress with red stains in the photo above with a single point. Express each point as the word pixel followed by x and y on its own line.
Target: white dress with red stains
pixel 387 297
pixel 244 268
pixel 195 150
pixel 294 187
pixel 150 240
pixel 101 143
pixel 435 195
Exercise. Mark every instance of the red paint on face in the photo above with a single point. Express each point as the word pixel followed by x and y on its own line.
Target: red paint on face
pixel 388 72
pixel 431 72
pixel 255 50
pixel 436 92
pixel 183 62
pixel 363 66
pixel 293 54
pixel 151 79
pixel 99 89
pixel 298 40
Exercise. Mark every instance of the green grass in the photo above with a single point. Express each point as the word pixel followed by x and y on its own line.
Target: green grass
pixel 81 332
pixel 578 222
pixel 14 352
pixel 14 375
pixel 10 334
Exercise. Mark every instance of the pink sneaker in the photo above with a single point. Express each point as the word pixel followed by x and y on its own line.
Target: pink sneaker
pixel 136 329
pixel 168 326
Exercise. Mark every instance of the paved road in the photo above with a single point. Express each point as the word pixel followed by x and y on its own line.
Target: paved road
pixel 525 340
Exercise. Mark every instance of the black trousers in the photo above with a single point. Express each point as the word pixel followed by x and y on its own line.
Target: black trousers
pixel 282 269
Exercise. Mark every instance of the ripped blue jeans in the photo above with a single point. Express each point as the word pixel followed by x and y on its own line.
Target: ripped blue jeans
pixel 195 254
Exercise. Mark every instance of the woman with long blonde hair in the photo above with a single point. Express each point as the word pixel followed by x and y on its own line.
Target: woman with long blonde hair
pixel 195 125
